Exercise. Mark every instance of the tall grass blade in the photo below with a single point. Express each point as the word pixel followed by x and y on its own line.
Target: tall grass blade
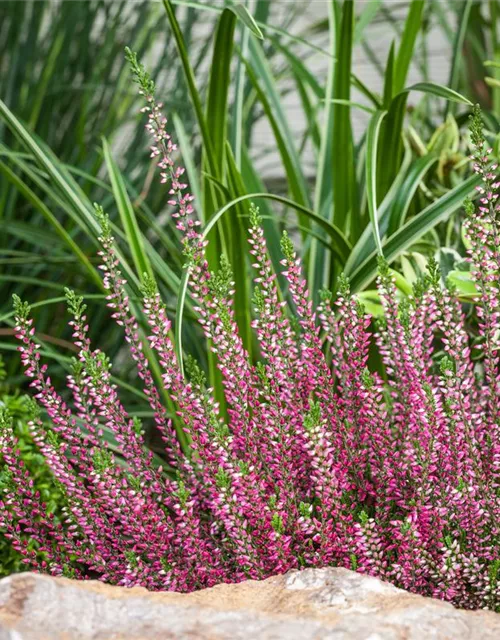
pixel 342 164
pixel 216 114
pixel 216 122
pixel 317 275
pixel 127 215
pixel 264 83
pixel 396 202
pixel 372 141
pixel 438 90
pixel 237 125
pixel 366 16
pixel 389 78
pixel 494 11
pixel 57 173
pixel 457 51
pixel 407 46
pixel 238 252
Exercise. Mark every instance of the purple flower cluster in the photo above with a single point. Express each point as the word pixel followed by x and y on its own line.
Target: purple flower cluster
pixel 320 462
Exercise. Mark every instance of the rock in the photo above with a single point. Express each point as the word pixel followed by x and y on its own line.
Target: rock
pixel 314 604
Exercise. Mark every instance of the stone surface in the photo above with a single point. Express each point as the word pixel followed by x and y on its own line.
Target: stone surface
pixel 319 604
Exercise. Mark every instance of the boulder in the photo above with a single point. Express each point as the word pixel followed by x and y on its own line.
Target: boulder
pixel 319 604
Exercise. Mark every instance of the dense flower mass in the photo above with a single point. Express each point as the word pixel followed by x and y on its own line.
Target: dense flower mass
pixel 320 461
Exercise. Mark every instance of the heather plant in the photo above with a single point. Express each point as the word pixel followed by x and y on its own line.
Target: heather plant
pixel 320 461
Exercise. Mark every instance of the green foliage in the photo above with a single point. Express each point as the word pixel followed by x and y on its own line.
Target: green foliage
pixel 16 411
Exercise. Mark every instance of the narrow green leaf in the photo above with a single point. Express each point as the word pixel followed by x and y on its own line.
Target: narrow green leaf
pixel 238 252
pixel 216 116
pixel 317 269
pixel 301 70
pixel 247 19
pixel 310 110
pixel 255 184
pixel 357 105
pixel 457 57
pixel 237 122
pixel 220 186
pixel 216 120
pixel 179 315
pixel 372 140
pixel 262 78
pixel 127 215
pixel 340 244
pixel 438 90
pixel 407 46
pixel 390 157
pixel 362 88
pixel 71 191
pixel 307 84
pixel 400 194
pixel 42 85
pixel 389 78
pixel 366 16
pixel 494 11
pixel 342 167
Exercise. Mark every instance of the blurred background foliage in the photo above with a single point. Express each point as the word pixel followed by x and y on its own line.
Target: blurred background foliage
pixel 345 117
